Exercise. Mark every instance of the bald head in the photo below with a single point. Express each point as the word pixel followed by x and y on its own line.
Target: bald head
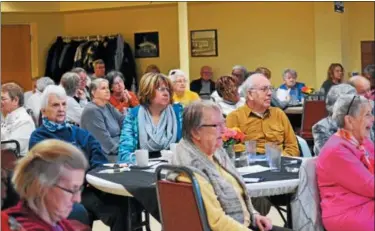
pixel 258 91
pixel 206 73
pixel 361 84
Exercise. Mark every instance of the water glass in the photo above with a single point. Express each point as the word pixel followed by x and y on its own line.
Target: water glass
pixel 251 150
pixel 273 153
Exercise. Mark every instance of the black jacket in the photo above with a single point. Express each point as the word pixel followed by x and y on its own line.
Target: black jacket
pixel 196 86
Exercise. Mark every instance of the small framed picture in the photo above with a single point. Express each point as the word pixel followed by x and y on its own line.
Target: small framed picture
pixel 146 45
pixel 203 43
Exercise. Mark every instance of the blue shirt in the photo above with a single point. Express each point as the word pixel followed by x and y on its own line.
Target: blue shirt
pixel 295 91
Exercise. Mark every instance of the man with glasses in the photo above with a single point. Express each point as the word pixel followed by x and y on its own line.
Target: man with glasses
pixel 362 85
pixel 261 122
pixel 204 86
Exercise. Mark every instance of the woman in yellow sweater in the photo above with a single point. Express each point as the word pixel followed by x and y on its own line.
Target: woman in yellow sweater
pixel 181 94
pixel 225 197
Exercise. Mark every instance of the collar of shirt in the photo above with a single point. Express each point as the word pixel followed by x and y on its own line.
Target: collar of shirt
pixel 250 112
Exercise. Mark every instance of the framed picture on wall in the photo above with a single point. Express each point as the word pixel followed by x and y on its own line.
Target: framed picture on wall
pixel 146 45
pixel 203 43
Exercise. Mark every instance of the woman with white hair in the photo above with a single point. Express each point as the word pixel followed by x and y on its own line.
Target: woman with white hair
pixel 70 82
pixel 49 181
pixel 33 102
pixel 291 85
pixel 101 119
pixel 326 127
pixel 345 168
pixel 180 93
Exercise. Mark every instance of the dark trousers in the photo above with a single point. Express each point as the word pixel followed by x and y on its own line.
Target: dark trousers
pixel 109 208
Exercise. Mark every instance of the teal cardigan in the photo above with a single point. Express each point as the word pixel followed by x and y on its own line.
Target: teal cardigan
pixel 129 140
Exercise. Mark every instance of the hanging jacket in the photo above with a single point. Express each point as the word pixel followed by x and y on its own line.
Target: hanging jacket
pixel 52 68
pixel 128 68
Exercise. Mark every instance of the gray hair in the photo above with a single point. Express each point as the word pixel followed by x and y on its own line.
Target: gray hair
pixel 290 71
pixel 193 116
pixel 78 70
pixel 14 90
pixel 249 83
pixel 336 92
pixel 43 82
pixel 242 68
pixel 173 74
pixel 369 69
pixel 95 85
pixel 43 167
pixel 59 91
pixel 341 108
pixel 70 82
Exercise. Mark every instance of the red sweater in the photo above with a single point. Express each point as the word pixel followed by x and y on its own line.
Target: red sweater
pixel 32 222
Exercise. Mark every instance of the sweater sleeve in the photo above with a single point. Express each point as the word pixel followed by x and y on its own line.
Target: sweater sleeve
pixel 117 114
pixel 216 216
pixel 128 139
pixel 321 135
pixel 93 121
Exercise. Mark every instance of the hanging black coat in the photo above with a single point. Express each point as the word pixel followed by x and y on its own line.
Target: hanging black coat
pixel 128 68
pixel 52 64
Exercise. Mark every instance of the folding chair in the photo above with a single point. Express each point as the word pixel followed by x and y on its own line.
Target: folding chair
pixel 313 111
pixel 180 204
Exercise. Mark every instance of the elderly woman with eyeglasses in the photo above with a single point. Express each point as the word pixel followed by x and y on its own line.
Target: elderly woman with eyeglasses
pixel 345 168
pixel 155 123
pixel 180 93
pixel 225 196
pixel 49 180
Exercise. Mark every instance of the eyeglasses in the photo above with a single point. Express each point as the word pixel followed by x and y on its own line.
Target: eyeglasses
pixel 73 192
pixel 161 89
pixel 264 89
pixel 180 81
pixel 350 105
pixel 220 125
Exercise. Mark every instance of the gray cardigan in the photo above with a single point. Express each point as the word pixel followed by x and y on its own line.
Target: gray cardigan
pixel 104 123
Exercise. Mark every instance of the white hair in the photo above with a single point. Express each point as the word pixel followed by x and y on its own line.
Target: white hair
pixel 173 74
pixel 347 105
pixel 43 82
pixel 59 91
pixel 249 83
pixel 290 71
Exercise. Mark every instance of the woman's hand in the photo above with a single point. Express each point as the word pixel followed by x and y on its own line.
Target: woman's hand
pixel 263 223
pixel 127 96
pixel 81 94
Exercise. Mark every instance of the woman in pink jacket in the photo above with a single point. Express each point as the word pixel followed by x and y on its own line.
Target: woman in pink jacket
pixel 345 168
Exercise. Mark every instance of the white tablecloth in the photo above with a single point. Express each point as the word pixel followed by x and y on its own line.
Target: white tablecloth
pixel 294 110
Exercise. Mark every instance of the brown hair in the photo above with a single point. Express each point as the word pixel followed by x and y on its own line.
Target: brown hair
pixel 331 68
pixel 152 69
pixel 265 71
pixel 148 85
pixel 14 90
pixel 98 61
pixel 226 86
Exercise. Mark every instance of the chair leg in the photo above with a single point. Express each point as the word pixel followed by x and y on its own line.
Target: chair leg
pixel 147 221
pixel 129 214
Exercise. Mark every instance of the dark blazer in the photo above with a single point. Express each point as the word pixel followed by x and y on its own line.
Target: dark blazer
pixel 196 86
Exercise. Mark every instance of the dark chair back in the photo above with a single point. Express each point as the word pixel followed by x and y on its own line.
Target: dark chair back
pixel 313 111
pixel 180 204
pixel 9 156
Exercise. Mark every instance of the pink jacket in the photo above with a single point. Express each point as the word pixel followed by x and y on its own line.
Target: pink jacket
pixel 343 180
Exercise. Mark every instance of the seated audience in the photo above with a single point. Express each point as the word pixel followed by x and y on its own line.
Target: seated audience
pixel 362 85
pixel 345 168
pixel 101 119
pixel 33 102
pixel 121 98
pixel 326 127
pixel 265 71
pixel 204 86
pixel 70 82
pixel 225 196
pixel 17 124
pixel 28 94
pixel 240 74
pixel 83 90
pixel 227 89
pixel 152 68
pixel 261 122
pixel 335 75
pixel 291 84
pixel 155 123
pixel 49 180
pixel 55 126
pixel 180 93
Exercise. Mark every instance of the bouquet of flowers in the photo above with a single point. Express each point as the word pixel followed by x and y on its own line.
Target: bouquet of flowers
pixel 232 136
pixel 307 90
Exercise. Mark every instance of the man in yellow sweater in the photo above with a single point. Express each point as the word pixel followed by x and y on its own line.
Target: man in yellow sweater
pixel 261 122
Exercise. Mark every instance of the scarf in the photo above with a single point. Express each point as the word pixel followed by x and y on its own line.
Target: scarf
pixel 346 135
pixel 157 137
pixel 189 155
pixel 52 126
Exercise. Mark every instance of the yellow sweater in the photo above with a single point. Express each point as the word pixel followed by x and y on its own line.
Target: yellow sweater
pixel 187 98
pixel 217 219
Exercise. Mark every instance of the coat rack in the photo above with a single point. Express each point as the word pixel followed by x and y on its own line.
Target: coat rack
pixel 88 38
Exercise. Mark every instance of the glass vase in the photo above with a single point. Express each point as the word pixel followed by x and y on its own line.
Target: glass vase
pixel 232 155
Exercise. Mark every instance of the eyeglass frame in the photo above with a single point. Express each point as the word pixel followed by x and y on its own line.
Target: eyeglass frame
pixel 351 103
pixel 263 89
pixel 73 192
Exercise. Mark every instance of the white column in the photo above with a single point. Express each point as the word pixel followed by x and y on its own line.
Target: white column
pixel 183 38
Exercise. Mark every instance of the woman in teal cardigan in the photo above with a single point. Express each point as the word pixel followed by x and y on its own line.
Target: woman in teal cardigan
pixel 155 123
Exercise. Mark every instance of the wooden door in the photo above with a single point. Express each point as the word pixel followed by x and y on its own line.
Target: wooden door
pixel 16 55
pixel 367 53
